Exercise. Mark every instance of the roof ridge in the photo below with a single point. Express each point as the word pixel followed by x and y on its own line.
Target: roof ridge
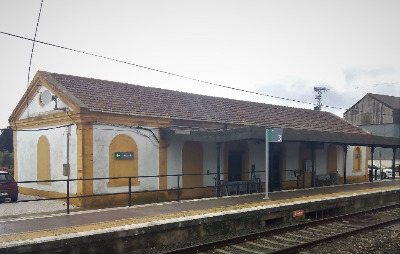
pixel 189 93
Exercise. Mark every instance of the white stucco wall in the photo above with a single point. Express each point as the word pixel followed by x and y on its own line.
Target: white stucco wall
pixel 321 157
pixel 257 158
pixel 209 163
pixel 174 161
pixel 27 157
pixel 36 109
pixel 292 160
pixel 147 157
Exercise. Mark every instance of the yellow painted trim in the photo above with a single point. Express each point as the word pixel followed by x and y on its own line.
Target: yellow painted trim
pixel 332 159
pixel 122 168
pixel 43 160
pixel 304 154
pixel 356 179
pixel 357 162
pixel 47 194
pixel 123 222
pixel 43 121
pixel 38 81
pixel 192 163
pixel 84 135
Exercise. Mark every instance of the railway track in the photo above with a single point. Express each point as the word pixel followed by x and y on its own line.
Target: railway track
pixel 290 239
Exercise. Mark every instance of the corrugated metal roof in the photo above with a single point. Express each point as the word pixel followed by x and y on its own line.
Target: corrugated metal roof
pixel 390 101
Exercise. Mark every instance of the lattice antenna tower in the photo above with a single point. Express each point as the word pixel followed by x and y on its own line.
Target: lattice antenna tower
pixel 319 90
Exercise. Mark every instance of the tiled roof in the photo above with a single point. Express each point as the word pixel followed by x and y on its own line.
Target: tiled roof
pixel 390 101
pixel 126 99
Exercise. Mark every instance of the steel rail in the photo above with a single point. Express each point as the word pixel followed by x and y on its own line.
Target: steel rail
pixel 203 247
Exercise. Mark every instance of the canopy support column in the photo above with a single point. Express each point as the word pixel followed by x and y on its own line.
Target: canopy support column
pixel 394 163
pixel 219 169
pixel 345 149
pixel 371 171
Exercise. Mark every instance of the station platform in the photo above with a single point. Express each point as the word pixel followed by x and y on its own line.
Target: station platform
pixel 126 229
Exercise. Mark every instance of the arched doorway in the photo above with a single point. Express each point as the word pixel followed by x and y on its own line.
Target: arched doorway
pixel 357 158
pixel 332 159
pixel 192 167
pixel 123 167
pixel 43 160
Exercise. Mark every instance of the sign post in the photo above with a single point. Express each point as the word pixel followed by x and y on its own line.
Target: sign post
pixel 272 135
pixel 266 163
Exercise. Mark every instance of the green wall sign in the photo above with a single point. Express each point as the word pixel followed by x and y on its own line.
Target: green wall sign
pixel 124 156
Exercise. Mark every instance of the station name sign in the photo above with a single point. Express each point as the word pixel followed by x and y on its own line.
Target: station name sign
pixel 275 134
pixel 124 156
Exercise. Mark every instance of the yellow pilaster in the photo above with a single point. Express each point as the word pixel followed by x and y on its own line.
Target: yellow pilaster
pixel 84 135
pixel 162 167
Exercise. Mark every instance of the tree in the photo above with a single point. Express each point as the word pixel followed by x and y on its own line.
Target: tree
pixel 6 140
pixel 8 161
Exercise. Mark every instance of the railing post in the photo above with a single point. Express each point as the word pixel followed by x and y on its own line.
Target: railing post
pixel 68 195
pixel 130 191
pixel 179 194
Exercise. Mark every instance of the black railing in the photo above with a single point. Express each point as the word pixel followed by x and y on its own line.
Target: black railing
pixel 178 187
pixel 252 185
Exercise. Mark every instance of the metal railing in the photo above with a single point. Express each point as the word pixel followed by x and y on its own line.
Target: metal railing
pixel 178 188
pixel 225 186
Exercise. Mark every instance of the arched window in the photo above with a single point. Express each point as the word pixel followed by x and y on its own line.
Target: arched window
pixel 357 158
pixel 120 167
pixel 43 160
pixel 192 163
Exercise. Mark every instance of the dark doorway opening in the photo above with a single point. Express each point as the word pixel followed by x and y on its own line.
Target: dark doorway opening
pixel 234 166
pixel 274 171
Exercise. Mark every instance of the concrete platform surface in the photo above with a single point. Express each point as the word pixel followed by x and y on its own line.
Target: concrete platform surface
pixel 43 228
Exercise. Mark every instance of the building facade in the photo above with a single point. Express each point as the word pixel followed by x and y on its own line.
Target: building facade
pixel 379 115
pixel 107 137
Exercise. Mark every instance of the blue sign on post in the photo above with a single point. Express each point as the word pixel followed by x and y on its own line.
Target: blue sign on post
pixel 124 156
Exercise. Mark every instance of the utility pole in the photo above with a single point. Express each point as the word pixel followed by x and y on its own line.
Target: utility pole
pixel 319 90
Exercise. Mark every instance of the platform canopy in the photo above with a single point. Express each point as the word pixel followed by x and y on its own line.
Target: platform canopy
pixel 288 135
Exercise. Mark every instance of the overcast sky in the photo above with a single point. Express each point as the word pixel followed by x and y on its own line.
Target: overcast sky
pixel 278 48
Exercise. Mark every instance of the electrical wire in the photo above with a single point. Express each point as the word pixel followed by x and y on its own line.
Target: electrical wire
pixel 165 72
pixel 33 48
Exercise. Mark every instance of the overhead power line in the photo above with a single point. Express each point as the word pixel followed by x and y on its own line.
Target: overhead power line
pixel 161 71
pixel 33 48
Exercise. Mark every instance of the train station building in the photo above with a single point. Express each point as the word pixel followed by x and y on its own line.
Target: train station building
pixel 96 133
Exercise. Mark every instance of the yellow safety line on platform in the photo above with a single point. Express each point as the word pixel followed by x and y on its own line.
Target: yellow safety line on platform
pixel 124 222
